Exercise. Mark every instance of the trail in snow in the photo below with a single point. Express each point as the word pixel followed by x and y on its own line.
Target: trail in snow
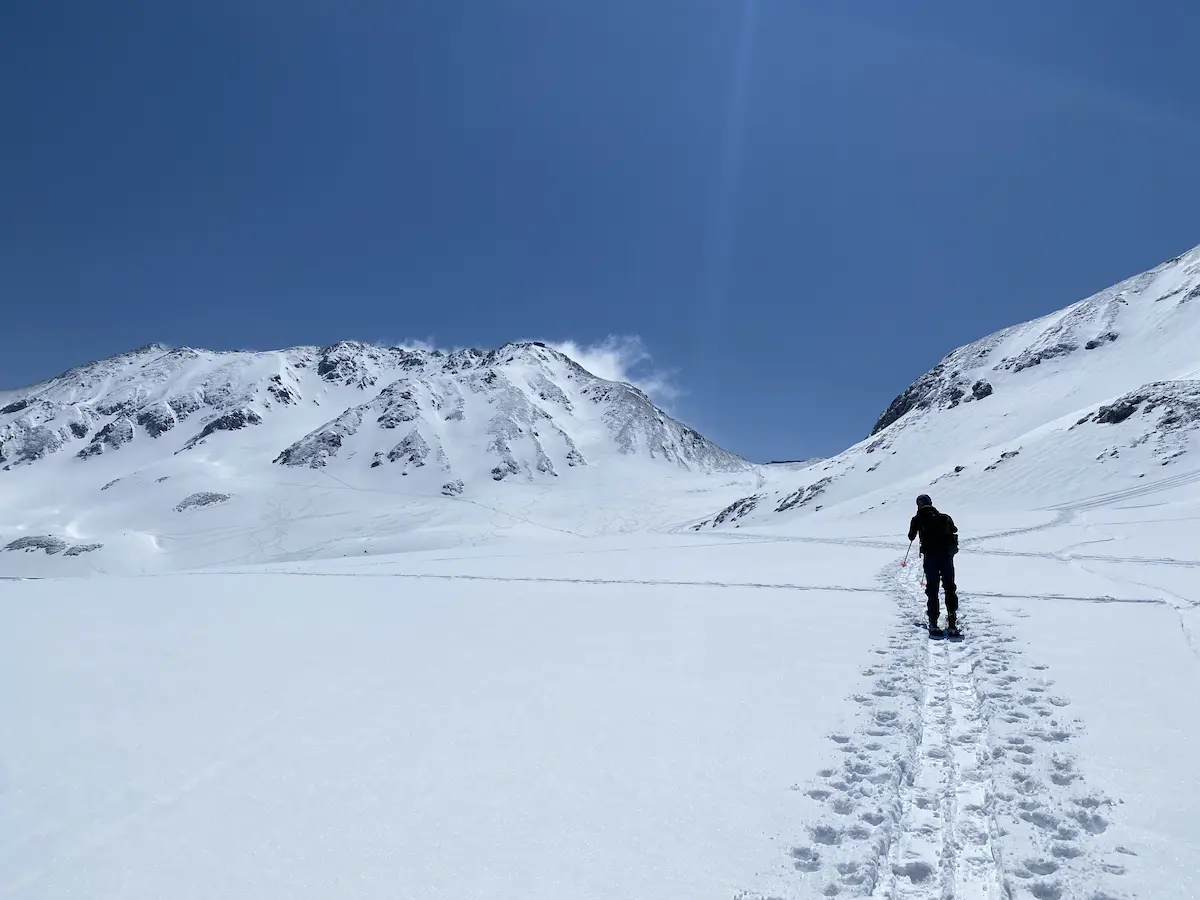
pixel 945 846
pixel 959 784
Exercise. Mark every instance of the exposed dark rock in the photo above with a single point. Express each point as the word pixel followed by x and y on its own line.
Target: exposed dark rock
pixel 156 420
pixel 21 442
pixel 201 498
pixel 122 408
pixel 1119 411
pixel 412 451
pixel 1032 357
pixel 1107 338
pixel 343 370
pixel 183 406
pixel 550 392
pixel 399 406
pixel 981 389
pixel 453 488
pixel 14 407
pixel 110 484
pixel 1180 401
pixel 313 451
pixel 353 364
pixel 805 495
pixel 543 462
pixel 111 437
pixel 921 394
pixel 1004 457
pixel 461 360
pixel 318 447
pixel 80 549
pixel 231 421
pixel 732 512
pixel 79 429
pixel 277 390
pixel 506 468
pixel 48 543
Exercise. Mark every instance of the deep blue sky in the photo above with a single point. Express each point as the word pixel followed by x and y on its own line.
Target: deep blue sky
pixel 797 209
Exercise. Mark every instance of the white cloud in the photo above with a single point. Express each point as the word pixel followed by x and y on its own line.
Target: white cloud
pixel 623 358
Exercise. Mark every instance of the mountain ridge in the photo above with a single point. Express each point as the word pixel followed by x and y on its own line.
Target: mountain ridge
pixel 149 392
pixel 1109 381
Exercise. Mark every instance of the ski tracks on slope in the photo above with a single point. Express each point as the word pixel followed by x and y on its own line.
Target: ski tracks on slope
pixel 959 782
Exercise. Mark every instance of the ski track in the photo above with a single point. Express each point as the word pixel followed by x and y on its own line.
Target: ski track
pixel 959 782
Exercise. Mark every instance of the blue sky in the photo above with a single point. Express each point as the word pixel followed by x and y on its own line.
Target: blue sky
pixel 786 211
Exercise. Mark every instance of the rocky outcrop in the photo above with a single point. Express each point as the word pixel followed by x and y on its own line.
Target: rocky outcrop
pixel 734 511
pixel 1176 402
pixel 50 545
pixel 112 436
pixel 231 421
pixel 804 496
pixel 201 499
pixel 314 450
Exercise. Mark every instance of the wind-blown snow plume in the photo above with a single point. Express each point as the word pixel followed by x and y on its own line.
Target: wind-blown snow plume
pixel 624 358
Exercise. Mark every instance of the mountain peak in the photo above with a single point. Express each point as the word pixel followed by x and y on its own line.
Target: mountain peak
pixel 523 410
pixel 1105 389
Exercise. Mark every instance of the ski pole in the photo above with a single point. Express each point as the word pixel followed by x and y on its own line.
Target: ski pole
pixel 904 565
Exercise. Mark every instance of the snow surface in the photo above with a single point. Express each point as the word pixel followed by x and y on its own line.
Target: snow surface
pixel 647 714
pixel 287 681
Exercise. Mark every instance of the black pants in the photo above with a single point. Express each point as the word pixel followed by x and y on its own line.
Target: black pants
pixel 940 568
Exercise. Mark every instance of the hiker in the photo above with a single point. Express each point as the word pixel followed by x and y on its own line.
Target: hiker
pixel 939 543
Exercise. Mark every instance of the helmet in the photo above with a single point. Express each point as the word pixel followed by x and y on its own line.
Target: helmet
pixel 924 500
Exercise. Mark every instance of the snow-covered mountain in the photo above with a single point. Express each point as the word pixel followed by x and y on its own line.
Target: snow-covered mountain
pixel 378 562
pixel 1106 390
pixel 422 423
pixel 524 410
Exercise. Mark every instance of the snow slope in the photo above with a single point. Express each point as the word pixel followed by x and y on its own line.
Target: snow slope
pixel 340 681
pixel 1105 391
pixel 162 459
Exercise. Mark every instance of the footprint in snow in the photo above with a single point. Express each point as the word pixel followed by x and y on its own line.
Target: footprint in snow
pixel 806 859
pixel 916 872
pixel 1065 850
pixel 825 834
pixel 1040 867
pixel 1046 890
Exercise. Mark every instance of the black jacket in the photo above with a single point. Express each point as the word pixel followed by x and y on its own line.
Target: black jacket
pixel 932 526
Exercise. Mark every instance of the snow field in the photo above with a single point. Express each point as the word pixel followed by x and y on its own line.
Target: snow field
pixel 755 715
pixel 298 736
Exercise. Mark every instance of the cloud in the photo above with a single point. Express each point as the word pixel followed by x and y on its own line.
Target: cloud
pixel 623 358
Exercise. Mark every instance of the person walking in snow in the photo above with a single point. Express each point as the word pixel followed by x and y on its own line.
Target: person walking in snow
pixel 939 544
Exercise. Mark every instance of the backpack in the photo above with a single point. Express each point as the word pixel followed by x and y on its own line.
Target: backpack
pixel 949 532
